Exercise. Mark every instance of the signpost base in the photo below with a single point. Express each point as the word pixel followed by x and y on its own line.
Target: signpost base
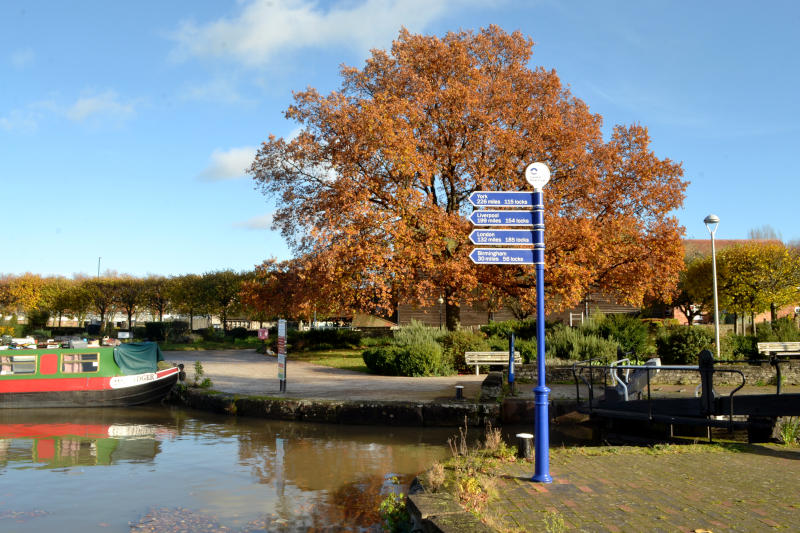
pixel 542 456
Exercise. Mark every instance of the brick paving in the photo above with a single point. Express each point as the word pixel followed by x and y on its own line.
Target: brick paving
pixel 757 489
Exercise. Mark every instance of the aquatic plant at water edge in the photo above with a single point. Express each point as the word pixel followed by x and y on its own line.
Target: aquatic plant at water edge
pixel 199 380
pixel 790 431
pixel 393 510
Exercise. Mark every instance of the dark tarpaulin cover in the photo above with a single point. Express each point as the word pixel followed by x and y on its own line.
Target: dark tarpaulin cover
pixel 138 357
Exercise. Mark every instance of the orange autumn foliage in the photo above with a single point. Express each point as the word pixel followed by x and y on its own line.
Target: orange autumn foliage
pixel 373 191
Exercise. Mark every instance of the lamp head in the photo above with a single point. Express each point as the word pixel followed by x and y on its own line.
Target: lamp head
pixel 711 220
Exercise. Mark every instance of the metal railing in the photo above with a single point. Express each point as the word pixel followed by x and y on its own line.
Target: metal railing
pixel 597 367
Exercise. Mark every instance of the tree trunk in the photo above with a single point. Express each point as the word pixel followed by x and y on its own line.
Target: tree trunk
pixel 773 314
pixel 753 322
pixel 452 312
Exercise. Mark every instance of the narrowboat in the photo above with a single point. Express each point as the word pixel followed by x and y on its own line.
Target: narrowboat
pixel 120 376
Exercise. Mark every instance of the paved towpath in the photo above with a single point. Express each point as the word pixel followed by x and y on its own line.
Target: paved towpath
pixel 248 372
pixel 755 489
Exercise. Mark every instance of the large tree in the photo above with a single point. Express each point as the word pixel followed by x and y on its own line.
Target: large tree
pixel 373 190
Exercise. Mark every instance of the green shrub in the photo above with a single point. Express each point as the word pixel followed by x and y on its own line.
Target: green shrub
pixel 37 320
pixel 680 345
pixel 156 331
pixel 383 340
pixel 567 343
pixel 178 327
pixel 324 339
pixel 498 343
pixel 212 334
pixel 40 334
pixel 455 343
pixel 415 333
pixel 734 346
pixel 784 330
pixel 498 329
pixel 424 358
pixel 238 333
pixel 381 359
pixel 631 333
pixel 526 349
pixel 415 351
pixel 523 329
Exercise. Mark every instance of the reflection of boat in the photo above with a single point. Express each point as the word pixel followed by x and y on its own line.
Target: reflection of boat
pixel 125 375
pixel 68 444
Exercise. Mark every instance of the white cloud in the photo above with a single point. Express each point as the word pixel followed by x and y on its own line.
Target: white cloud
pixel 19 121
pixel 105 104
pixel 264 28
pixel 230 164
pixel 260 222
pixel 217 90
pixel 22 57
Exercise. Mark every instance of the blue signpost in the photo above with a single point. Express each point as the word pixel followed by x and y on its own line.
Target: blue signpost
pixel 501 218
pixel 536 174
pixel 501 236
pixel 501 199
pixel 501 256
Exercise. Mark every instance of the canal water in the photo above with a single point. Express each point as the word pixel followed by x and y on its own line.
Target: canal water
pixel 169 469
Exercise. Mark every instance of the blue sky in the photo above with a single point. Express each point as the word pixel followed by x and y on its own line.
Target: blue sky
pixel 125 127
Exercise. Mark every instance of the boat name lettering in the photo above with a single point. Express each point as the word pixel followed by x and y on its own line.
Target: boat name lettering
pixel 119 382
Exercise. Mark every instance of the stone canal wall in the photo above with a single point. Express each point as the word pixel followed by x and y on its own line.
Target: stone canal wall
pixel 385 413
pixel 754 374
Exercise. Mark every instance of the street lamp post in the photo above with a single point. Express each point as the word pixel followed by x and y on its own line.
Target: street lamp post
pixel 440 301
pixel 712 221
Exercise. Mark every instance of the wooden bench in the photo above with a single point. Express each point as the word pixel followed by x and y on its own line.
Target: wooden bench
pixel 490 358
pixel 778 348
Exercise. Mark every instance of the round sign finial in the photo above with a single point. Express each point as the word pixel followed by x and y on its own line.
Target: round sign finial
pixel 537 174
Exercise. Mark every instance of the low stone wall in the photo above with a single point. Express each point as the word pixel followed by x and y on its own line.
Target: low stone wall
pixel 755 374
pixel 387 413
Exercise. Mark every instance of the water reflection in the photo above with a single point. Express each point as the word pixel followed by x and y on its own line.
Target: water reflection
pixel 31 439
pixel 160 468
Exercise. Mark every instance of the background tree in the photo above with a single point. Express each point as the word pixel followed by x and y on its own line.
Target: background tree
pixel 374 188
pixel 157 291
pixel 778 275
pixel 740 284
pixel 187 296
pixel 22 294
pixel 764 233
pixel 55 296
pixel 283 289
pixel 102 294
pixel 79 299
pixel 695 289
pixel 130 295
pixel 221 290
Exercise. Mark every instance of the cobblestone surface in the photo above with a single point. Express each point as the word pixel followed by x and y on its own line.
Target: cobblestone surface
pixel 753 490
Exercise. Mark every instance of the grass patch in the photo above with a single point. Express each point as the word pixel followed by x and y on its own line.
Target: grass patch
pixel 656 449
pixel 232 344
pixel 343 358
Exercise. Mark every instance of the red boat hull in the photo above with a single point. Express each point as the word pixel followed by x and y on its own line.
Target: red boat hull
pixel 87 392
